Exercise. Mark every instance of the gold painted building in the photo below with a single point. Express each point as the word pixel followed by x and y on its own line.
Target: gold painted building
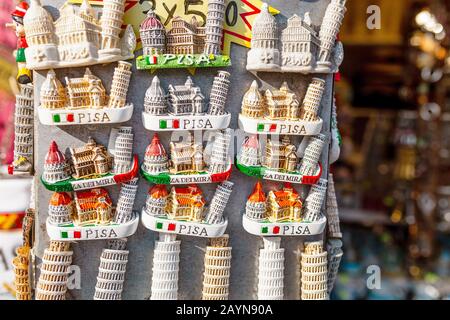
pixel 186 203
pixel 284 205
pixel 280 155
pixel 90 159
pixel 185 37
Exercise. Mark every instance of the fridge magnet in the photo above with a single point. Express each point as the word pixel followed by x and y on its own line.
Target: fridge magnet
pixel 282 213
pixel 271 270
pixel 186 44
pixel 84 100
pixel 183 210
pixel 52 283
pixel 23 132
pixel 184 106
pixel 334 228
pixel 77 38
pixel 299 48
pixel 187 161
pixel 281 160
pixel 91 165
pixel 89 214
pixel 314 280
pixel 280 111
pixel 216 277
pixel 335 254
pixel 23 73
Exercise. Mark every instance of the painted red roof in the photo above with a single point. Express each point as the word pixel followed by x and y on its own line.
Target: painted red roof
pixel 257 194
pixel 54 156
pixel 155 148
pixel 252 142
pixel 60 199
pixel 158 191
pixel 151 22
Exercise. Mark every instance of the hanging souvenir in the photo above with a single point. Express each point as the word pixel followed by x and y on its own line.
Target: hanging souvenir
pixel 271 270
pixel 314 276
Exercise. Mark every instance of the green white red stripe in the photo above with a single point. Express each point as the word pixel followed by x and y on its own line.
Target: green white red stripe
pixel 63 118
pixel 169 124
pixel 267 127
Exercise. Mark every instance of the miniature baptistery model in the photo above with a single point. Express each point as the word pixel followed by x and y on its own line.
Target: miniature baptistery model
pixel 301 47
pixel 281 161
pixel 77 38
pixel 91 165
pixel 186 44
pixel 90 215
pixel 187 161
pixel 184 107
pixel 282 213
pixel 281 112
pixel 84 100
pixel 183 210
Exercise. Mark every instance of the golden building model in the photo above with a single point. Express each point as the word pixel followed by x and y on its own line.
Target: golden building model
pixel 90 160
pixel 280 155
pixel 185 157
pixel 284 205
pixel 93 206
pixel 282 104
pixel 185 37
pixel 185 203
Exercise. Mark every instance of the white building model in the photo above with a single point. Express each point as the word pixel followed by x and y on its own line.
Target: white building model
pixel 166 259
pixel 314 272
pixel 271 270
pixel 250 152
pixel 155 102
pixel 314 201
pixel 216 277
pixel 52 283
pixel 76 38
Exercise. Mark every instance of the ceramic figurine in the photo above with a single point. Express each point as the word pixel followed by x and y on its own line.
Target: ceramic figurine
pixel 186 203
pixel 314 272
pixel 184 106
pixel 61 208
pixel 280 155
pixel 24 74
pixel 334 229
pixel 186 44
pixel 84 100
pixel 166 258
pixel 271 270
pixel 91 165
pixel 216 277
pixel 52 283
pixel 187 161
pixel 93 207
pixel 281 112
pixel 310 161
pixel 22 282
pixel 23 131
pixel 315 200
pixel 127 195
pixel 216 209
pixel 301 47
pixel 250 152
pixel 77 38
pixel 335 253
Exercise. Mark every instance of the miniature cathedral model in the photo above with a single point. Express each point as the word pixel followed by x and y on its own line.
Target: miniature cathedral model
pixel 300 47
pixel 77 37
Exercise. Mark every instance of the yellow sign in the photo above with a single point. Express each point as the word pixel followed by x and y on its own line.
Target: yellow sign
pixel 239 15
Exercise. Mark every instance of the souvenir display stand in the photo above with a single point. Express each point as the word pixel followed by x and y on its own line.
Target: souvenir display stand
pixel 145 246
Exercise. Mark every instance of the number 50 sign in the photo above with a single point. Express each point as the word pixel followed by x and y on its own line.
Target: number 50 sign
pixel 239 15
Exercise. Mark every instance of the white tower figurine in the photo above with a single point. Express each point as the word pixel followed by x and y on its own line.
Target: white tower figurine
pixel 331 24
pixel 250 155
pixel 153 35
pixel 335 253
pixel 271 270
pixel 120 84
pixel 219 202
pixel 310 161
pixel 314 201
pixel 123 154
pixel 312 100
pixel 23 129
pixel 155 205
pixel 264 53
pixel 219 92
pixel 314 272
pixel 214 26
pixel 111 23
pixel 124 209
pixel 52 283
pixel 166 259
pixel 334 229
pixel 216 277
pixel 219 158
pixel 155 102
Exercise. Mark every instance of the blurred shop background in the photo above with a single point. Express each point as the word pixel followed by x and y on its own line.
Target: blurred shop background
pixel 393 178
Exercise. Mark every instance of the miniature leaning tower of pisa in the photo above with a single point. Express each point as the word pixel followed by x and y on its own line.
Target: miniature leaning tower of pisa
pixel 335 253
pixel 219 202
pixel 124 210
pixel 21 271
pixel 166 259
pixel 52 283
pixel 314 201
pixel 334 229
pixel 220 148
pixel 214 26
pixel 312 100
pixel 123 150
pixel 216 278
pixel 219 92
pixel 111 272
pixel 308 165
pixel 23 130
pixel 111 24
pixel 119 86
pixel 271 270
pixel 314 272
